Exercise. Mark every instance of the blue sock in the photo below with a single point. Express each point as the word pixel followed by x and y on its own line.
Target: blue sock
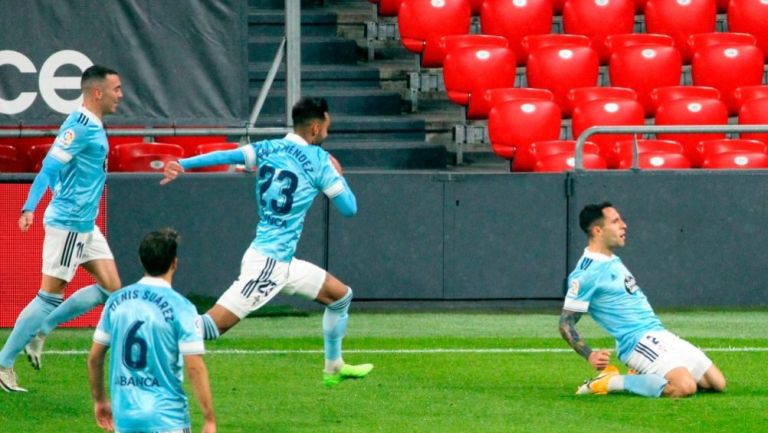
pixel 210 330
pixel 648 385
pixel 335 326
pixel 81 302
pixel 27 325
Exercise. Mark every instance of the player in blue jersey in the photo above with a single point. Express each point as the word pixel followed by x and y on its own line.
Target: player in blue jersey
pixel 603 287
pixel 74 170
pixel 153 331
pixel 291 172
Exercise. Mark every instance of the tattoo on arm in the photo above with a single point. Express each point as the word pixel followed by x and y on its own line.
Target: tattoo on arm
pixel 568 320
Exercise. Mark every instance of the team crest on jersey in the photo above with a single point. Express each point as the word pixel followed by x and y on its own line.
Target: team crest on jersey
pixel 573 290
pixel 68 137
pixel 630 285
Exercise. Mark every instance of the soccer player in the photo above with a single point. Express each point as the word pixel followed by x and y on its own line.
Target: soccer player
pixel 74 169
pixel 153 331
pixel 291 172
pixel 603 287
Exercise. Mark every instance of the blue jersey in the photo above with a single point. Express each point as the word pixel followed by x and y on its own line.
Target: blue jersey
pixel 149 327
pixel 604 287
pixel 82 146
pixel 290 175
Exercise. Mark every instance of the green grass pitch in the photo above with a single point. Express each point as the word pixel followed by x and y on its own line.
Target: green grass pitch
pixel 435 372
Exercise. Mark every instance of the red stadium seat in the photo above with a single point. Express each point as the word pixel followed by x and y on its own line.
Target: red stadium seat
pixel 614 42
pixel 606 112
pixel 598 19
pixel 423 22
pixel 452 42
pixel 560 69
pixel 190 142
pixel 744 94
pixel 621 155
pixel 701 40
pixel 387 8
pixel 726 67
pixel 501 95
pixel 707 148
pixel 661 95
pixel 581 95
pixel 535 42
pixel 516 19
pixel 541 120
pixel 691 111
pixel 557 6
pixel 36 155
pixel 470 71
pixel 736 160
pixel 561 162
pixel 666 16
pixel 543 149
pixel 214 147
pixel 9 162
pixel 754 112
pixel 146 156
pixel 750 16
pixel 23 144
pixel 644 68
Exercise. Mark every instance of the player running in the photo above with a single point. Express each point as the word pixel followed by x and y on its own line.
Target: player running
pixel 603 287
pixel 74 169
pixel 291 172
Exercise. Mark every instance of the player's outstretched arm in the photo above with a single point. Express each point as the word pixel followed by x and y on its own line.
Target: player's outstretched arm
pixel 172 170
pixel 198 377
pixel 101 406
pixel 599 359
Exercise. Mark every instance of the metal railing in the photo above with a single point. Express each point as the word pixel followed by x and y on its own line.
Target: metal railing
pixel 641 130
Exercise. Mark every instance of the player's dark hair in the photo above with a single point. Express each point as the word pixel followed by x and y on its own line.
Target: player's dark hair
pixel 157 251
pixel 592 215
pixel 308 109
pixel 95 73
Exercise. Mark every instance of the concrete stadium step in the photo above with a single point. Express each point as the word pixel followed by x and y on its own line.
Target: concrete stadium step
pixel 319 75
pixel 350 101
pixel 271 22
pixel 314 49
pixel 362 128
pixel 388 154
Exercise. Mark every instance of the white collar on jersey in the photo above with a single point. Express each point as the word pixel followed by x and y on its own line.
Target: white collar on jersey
pixel 598 257
pixel 154 281
pixel 296 139
pixel 90 115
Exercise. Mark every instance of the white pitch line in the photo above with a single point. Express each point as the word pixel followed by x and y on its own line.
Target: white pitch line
pixel 404 351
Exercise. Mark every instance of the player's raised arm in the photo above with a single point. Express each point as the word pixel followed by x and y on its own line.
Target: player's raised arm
pixel 599 359
pixel 242 155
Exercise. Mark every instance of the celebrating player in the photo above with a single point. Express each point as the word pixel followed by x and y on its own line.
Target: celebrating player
pixel 602 286
pixel 74 170
pixel 150 327
pixel 291 172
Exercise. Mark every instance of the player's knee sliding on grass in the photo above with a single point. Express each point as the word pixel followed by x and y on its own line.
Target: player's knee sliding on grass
pixel 291 172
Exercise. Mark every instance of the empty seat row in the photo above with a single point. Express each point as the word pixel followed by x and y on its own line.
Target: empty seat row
pixel 423 22
pixel 559 63
pixel 125 157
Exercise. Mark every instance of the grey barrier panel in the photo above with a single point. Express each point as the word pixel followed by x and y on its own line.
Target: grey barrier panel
pixel 694 238
pixel 178 64
pixel 393 248
pixel 505 236
pixel 215 215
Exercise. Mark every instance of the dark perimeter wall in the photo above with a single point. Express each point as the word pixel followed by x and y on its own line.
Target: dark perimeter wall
pixel 694 238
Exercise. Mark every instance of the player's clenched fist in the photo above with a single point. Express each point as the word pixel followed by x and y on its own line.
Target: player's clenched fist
pixel 172 170
pixel 25 220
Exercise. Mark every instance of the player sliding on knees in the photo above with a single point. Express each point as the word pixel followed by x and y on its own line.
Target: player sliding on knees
pixel 291 172
pixel 603 287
